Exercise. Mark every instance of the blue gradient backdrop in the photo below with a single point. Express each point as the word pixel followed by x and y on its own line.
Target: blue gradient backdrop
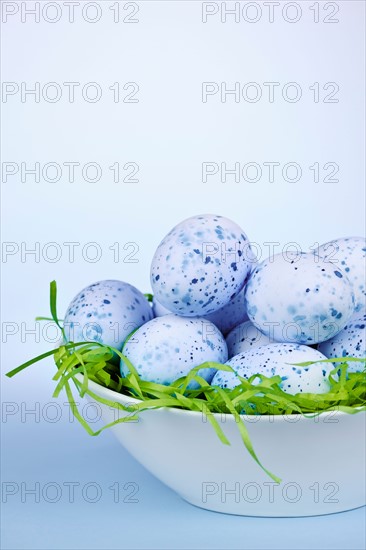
pixel 169 133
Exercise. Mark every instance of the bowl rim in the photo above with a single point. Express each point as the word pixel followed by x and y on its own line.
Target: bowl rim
pixel 126 399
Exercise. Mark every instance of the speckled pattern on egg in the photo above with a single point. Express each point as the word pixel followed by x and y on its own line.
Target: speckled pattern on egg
pixel 244 337
pixel 225 318
pixel 299 298
pixel 200 265
pixel 349 253
pixel 168 347
pixel 106 312
pixel 351 341
pixel 277 360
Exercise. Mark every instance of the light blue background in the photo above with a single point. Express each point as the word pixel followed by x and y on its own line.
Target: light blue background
pixel 169 133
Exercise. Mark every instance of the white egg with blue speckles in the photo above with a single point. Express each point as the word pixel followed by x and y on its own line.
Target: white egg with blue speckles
pixel 278 360
pixel 244 337
pixel 225 318
pixel 351 341
pixel 349 253
pixel 200 265
pixel 299 298
pixel 168 347
pixel 106 312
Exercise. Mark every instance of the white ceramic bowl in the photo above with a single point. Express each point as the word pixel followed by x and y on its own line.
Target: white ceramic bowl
pixel 321 460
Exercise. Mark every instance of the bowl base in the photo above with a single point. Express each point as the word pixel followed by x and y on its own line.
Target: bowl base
pixel 230 510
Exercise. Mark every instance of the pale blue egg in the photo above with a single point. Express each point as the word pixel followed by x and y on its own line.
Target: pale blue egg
pixel 299 298
pixel 278 360
pixel 200 265
pixel 106 312
pixel 168 347
pixel 349 342
pixel 349 253
pixel 244 337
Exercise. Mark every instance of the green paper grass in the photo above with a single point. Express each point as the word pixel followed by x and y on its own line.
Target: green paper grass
pixel 257 395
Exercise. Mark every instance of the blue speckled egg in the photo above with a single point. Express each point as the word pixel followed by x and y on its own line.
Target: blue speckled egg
pixel 106 312
pixel 225 318
pixel 200 265
pixel 244 337
pixel 349 254
pixel 168 347
pixel 277 360
pixel 299 298
pixel 351 341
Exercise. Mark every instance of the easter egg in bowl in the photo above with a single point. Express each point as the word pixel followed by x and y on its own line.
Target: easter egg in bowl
pixel 201 264
pixel 168 347
pixel 242 436
pixel 106 312
pixel 270 426
pixel 299 298
pixel 280 359
pixel 349 253
pixel 349 342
